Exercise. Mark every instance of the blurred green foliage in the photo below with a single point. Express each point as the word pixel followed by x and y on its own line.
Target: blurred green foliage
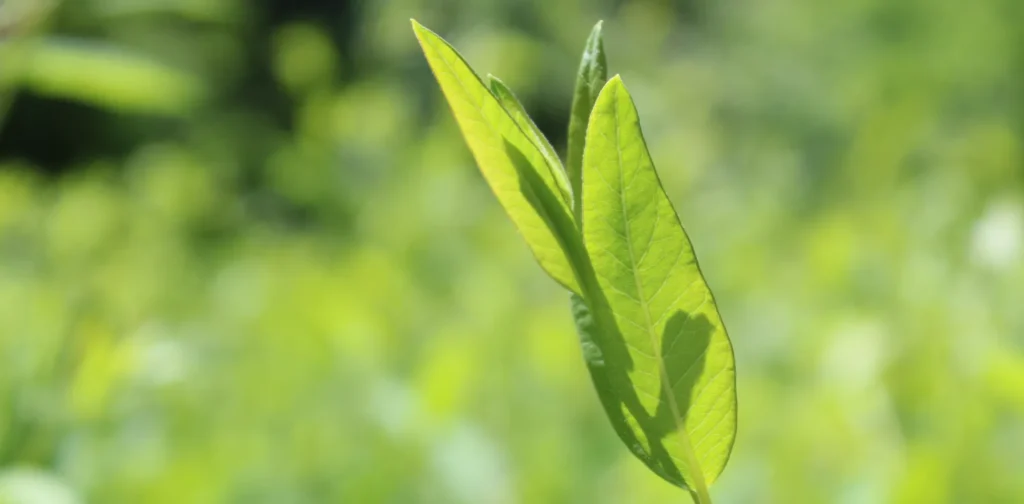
pixel 255 262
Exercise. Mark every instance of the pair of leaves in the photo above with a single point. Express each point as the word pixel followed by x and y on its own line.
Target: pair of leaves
pixel 604 229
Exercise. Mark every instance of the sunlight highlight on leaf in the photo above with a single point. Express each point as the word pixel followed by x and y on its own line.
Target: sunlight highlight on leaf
pixel 667 357
pixel 514 167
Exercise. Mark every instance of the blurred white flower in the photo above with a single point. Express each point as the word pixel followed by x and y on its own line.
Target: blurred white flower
pixel 160 359
pixel 393 406
pixel 32 486
pixel 857 354
pixel 998 236
pixel 473 467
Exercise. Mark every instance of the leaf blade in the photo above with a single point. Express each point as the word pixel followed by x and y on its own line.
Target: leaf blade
pixel 665 349
pixel 590 78
pixel 512 165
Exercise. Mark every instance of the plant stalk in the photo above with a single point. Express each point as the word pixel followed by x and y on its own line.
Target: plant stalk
pixel 701 495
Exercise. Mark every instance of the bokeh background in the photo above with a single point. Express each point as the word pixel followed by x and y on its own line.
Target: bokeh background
pixel 245 255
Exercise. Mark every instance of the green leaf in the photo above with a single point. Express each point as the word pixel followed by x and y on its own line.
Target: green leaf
pixel 512 164
pixel 590 78
pixel 518 112
pixel 665 361
pixel 592 75
pixel 108 76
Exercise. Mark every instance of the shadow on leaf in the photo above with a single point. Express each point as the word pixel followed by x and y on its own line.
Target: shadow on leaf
pixel 684 343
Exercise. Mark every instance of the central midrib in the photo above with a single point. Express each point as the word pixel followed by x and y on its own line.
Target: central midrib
pixel 684 438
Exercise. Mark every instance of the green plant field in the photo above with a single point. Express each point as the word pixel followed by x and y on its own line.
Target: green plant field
pixel 247 256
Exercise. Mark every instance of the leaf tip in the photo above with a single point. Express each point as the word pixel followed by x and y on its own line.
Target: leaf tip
pixel 615 81
pixel 496 85
pixel 420 30
pixel 595 42
pixel 611 91
pixel 493 83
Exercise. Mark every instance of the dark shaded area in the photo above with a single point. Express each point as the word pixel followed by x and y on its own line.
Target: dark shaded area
pixel 550 116
pixel 682 372
pixel 604 347
pixel 55 135
pixel 609 363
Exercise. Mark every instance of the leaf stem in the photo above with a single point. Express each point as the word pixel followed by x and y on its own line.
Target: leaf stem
pixel 701 495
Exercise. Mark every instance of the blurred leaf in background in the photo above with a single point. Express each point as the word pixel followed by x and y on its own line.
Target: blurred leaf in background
pixel 245 255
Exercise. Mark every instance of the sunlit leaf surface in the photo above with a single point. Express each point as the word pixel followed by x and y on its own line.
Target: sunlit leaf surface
pixel 666 356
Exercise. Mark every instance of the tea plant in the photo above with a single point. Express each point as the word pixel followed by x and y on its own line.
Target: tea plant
pixel 603 228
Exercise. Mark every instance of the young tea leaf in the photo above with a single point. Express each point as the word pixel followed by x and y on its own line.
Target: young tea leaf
pixel 651 335
pixel 590 78
pixel 666 361
pixel 514 167
pixel 592 75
